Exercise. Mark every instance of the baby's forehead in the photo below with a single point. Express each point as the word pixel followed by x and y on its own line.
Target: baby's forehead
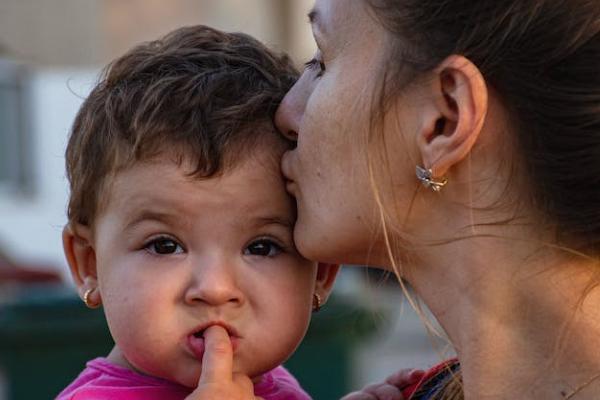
pixel 204 162
pixel 253 182
pixel 231 208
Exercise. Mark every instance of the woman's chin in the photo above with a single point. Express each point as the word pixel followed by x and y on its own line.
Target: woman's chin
pixel 305 246
pixel 317 243
pixel 313 243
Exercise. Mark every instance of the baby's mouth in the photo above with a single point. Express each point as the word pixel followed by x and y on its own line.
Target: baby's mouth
pixel 199 333
pixel 196 342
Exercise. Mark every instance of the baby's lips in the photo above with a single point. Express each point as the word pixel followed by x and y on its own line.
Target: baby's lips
pixel 215 325
pixel 197 340
pixel 197 346
pixel 215 329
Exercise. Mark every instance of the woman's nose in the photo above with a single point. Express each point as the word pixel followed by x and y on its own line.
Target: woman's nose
pixel 291 110
pixel 287 118
pixel 214 284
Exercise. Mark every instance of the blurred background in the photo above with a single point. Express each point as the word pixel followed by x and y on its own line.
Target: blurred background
pixel 51 52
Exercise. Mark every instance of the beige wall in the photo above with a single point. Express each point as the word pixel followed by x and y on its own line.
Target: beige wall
pixel 52 32
pixel 92 32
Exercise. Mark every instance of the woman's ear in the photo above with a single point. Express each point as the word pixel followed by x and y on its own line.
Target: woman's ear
pixel 454 117
pixel 326 274
pixel 81 257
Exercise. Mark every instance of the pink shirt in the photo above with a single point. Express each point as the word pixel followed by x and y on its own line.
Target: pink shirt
pixel 102 380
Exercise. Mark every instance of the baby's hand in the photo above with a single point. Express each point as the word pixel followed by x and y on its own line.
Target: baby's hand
pixel 390 389
pixel 217 380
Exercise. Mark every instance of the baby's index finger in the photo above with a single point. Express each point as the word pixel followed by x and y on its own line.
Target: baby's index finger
pixel 217 362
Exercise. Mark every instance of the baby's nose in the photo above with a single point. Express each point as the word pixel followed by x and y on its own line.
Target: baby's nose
pixel 214 283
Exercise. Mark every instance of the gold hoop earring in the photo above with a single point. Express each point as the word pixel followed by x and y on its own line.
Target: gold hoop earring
pixel 317 302
pixel 426 178
pixel 86 299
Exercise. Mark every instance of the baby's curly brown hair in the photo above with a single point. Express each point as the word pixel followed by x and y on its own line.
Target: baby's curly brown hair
pixel 201 94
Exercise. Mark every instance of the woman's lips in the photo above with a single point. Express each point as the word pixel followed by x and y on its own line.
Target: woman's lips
pixel 286 167
pixel 290 184
pixel 290 187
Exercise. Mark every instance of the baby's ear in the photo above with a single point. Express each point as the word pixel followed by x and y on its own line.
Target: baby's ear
pixel 81 257
pixel 326 275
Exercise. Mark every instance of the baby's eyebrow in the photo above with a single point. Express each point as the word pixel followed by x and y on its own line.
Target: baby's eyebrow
pixel 262 221
pixel 149 215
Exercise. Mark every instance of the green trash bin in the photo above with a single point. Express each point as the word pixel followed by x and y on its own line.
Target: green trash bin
pixel 46 336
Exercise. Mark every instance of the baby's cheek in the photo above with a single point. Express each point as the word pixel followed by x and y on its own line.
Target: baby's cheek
pixel 276 346
pixel 296 317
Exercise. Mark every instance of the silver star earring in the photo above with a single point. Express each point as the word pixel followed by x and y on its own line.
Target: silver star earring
pixel 426 178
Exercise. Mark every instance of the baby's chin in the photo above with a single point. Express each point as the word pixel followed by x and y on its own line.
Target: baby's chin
pixel 255 374
pixel 189 374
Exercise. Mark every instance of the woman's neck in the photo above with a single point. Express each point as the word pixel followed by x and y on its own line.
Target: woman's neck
pixel 524 325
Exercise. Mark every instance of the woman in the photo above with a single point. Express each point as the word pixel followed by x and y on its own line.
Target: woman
pixel 457 143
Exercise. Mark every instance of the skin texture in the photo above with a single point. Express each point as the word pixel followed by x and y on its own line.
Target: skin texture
pixel 229 261
pixel 330 152
pixel 479 254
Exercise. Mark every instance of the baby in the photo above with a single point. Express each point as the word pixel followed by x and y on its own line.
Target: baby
pixel 179 222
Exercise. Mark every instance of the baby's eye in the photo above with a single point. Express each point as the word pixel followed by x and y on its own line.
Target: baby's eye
pixel 164 245
pixel 263 248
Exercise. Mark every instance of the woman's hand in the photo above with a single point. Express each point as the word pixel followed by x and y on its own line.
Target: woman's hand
pixel 217 380
pixel 390 389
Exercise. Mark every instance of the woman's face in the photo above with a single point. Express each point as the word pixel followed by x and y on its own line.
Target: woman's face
pixel 329 110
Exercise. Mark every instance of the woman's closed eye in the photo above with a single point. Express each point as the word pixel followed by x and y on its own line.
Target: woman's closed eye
pixel 316 64
pixel 163 245
pixel 263 247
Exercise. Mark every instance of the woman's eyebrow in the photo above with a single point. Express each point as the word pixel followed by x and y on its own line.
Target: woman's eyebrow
pixel 314 17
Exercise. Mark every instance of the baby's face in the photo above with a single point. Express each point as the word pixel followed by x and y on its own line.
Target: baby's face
pixel 175 255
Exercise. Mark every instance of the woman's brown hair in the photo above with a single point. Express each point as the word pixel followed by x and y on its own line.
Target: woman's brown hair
pixel 542 59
